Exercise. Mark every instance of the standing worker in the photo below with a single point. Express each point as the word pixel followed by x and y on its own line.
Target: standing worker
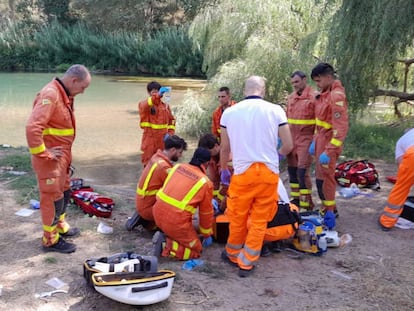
pixel 250 131
pixel 156 120
pixel 186 188
pixel 301 119
pixel 152 179
pixel 331 129
pixel 50 132
pixel 404 154
pixel 225 101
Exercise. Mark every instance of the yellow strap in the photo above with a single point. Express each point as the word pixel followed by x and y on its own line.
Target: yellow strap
pixel 156 126
pixel 323 124
pixel 336 142
pixel 301 121
pixel 38 149
pixel 143 191
pixel 58 132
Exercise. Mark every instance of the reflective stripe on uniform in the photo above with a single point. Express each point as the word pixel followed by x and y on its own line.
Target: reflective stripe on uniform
pixel 392 206
pixel 218 195
pixel 395 216
pixel 58 132
pixel 183 204
pixel 149 101
pixel 155 126
pixel 323 124
pixel 205 231
pixel 302 121
pixel 249 251
pixel 38 149
pixel 49 228
pixel 171 127
pixel 329 202
pixel 143 191
pixel 336 142
pixel 305 191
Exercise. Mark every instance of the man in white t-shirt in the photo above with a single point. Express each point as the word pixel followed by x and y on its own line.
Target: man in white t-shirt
pixel 404 155
pixel 250 131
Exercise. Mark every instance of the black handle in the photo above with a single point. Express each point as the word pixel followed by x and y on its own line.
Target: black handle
pixel 143 289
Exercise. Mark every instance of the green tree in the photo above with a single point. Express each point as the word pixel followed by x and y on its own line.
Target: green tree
pixel 365 41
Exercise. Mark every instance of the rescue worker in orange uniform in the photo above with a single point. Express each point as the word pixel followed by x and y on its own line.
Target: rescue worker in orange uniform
pixel 404 154
pixel 301 119
pixel 186 188
pixel 50 132
pixel 152 179
pixel 225 101
pixel 331 129
pixel 210 142
pixel 156 119
pixel 250 131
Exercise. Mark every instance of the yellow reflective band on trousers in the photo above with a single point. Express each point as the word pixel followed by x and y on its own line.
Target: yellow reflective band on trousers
pixel 49 228
pixel 154 126
pixel 336 142
pixel 323 124
pixel 143 191
pixel 187 251
pixel 302 122
pixel 38 149
pixel 183 204
pixel 205 231
pixel 329 203
pixel 58 132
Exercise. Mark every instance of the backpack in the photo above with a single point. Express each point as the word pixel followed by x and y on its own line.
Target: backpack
pixel 359 172
pixel 284 224
pixel 408 209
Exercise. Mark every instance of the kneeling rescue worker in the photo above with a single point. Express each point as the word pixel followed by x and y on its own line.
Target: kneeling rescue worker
pixel 186 188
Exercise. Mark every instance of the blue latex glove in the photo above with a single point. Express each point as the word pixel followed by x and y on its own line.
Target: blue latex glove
pixel 225 177
pixel 163 90
pixel 207 241
pixel 216 207
pixel 312 148
pixel 192 263
pixel 329 220
pixel 166 136
pixel 324 158
pixel 279 143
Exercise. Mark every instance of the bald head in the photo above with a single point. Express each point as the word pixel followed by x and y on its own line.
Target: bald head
pixel 255 86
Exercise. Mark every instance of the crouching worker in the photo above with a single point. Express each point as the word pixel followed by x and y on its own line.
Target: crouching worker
pixel 404 154
pixel 186 188
pixel 152 179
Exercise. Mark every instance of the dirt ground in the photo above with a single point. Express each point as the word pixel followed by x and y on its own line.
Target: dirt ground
pixel 373 272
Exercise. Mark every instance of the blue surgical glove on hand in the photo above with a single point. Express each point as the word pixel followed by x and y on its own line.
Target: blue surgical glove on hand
pixel 163 90
pixel 166 136
pixel 279 143
pixel 329 220
pixel 312 148
pixel 216 207
pixel 324 158
pixel 225 176
pixel 207 241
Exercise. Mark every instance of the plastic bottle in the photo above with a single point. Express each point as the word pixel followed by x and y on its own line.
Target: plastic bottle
pixel 345 239
pixel 167 95
pixel 35 204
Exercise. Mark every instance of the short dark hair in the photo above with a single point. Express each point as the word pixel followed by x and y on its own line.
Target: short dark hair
pixel 208 141
pixel 153 86
pixel 176 142
pixel 322 69
pixel 224 89
pixel 298 73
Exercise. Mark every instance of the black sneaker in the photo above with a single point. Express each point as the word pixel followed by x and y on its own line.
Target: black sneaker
pixel 336 213
pixel 265 251
pixel 61 247
pixel 226 259
pixel 72 232
pixel 243 273
pixel 133 221
pixel 157 240
pixel 275 247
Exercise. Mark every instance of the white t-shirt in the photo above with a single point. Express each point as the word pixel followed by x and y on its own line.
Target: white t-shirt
pixel 252 126
pixel 405 142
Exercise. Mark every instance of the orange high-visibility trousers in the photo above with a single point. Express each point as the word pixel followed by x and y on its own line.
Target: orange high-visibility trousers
pixel 400 191
pixel 251 194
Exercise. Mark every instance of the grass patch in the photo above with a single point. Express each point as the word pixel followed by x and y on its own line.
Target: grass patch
pixel 372 141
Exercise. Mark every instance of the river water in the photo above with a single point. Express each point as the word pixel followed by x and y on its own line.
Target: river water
pixel 107 145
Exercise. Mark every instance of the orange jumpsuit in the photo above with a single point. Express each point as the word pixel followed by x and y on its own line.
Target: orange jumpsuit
pixel 52 124
pixel 215 125
pixel 301 119
pixel 155 125
pixel 151 180
pixel 331 129
pixel 185 189
pixel 400 191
